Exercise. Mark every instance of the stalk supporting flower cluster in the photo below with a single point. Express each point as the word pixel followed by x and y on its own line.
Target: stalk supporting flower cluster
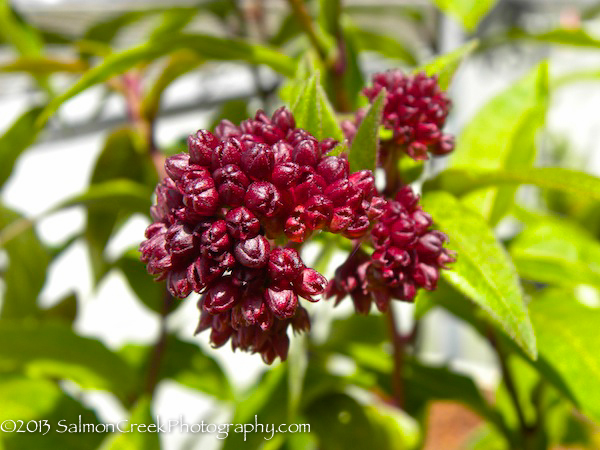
pixel 234 211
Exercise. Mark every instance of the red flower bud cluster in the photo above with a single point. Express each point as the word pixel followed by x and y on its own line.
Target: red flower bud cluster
pixel 224 203
pixel 415 110
pixel 408 255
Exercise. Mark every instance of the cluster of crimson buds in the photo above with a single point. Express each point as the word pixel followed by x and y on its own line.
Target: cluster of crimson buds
pixel 228 200
pixel 415 111
pixel 408 255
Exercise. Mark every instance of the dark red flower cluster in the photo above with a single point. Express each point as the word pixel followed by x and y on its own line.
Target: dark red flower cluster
pixel 415 111
pixel 408 256
pixel 224 203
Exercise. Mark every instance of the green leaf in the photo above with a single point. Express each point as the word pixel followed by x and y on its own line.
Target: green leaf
pixel 31 399
pixel 125 193
pixel 568 342
pixel 26 272
pixel 462 181
pixel 187 364
pixel 445 66
pixel 483 271
pixel 363 151
pixel 22 36
pixel 150 292
pixel 65 309
pixel 120 159
pixel 557 252
pixel 314 113
pixel 367 40
pixel 15 140
pixel 468 12
pixel 205 46
pixel 179 64
pixel 53 350
pixel 43 66
pixel 141 414
pixel 502 136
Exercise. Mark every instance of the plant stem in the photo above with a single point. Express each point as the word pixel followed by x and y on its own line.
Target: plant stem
pixel 159 348
pixel 305 20
pixel 398 345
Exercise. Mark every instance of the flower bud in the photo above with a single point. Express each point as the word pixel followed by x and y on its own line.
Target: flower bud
pixel 263 198
pixel 253 253
pixel 180 242
pixel 177 165
pixel 285 175
pixel 282 302
pixel 285 265
pixel 283 119
pixel 258 161
pixel 306 153
pixel 225 129
pixel 232 184
pixel 201 146
pixel 215 239
pixel 333 168
pixel 227 152
pixel 241 223
pixel 309 283
pixel 318 211
pixel 221 297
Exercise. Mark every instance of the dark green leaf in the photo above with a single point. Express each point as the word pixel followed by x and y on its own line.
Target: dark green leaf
pixel 234 110
pixel 43 66
pixel 445 66
pixel 150 292
pixel 502 136
pixel 363 151
pixel 314 113
pixel 53 350
pixel 205 46
pixel 26 272
pixel 15 140
pixel 461 181
pixel 483 271
pixel 468 12
pixel 125 193
pixel 65 309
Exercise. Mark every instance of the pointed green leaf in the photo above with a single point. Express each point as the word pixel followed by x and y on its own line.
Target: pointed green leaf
pixel 26 273
pixel 15 140
pixel 383 44
pixel 209 47
pixel 483 271
pixel 445 66
pixel 502 136
pixel 314 113
pixel 461 181
pixel 363 151
pixel 468 12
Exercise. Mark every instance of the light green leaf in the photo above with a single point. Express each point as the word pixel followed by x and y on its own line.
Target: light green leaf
pixel 483 271
pixel 150 292
pixel 462 181
pixel 21 35
pixel 26 272
pixel 568 342
pixel 468 12
pixel 15 140
pixel 502 136
pixel 208 47
pixel 314 113
pixel 53 350
pixel 30 399
pixel 383 44
pixel 445 66
pixel 126 193
pixel 363 151
pixel 557 252
pixel 141 414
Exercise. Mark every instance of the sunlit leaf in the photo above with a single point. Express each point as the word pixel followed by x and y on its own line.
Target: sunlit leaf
pixel 502 136
pixel 145 437
pixel 382 44
pixel 468 12
pixel 483 271
pixel 363 151
pixel 445 66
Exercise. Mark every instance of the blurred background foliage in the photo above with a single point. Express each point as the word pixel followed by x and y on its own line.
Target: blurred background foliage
pixel 519 203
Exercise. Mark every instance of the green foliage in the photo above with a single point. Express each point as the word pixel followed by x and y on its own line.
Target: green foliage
pixel 468 12
pixel 445 66
pixel 483 271
pixel 363 152
pixel 502 136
